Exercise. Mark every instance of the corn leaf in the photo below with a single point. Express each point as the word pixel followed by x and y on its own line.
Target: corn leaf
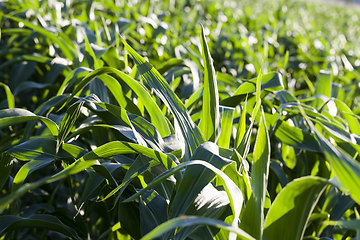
pixel 185 221
pixel 10 223
pixel 253 216
pixel 9 117
pixel 187 132
pixel 157 117
pixel 210 119
pixel 292 208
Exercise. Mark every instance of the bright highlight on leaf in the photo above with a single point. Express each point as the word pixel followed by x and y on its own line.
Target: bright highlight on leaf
pixel 210 117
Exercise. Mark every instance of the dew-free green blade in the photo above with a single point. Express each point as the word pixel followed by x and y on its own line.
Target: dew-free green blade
pixel 253 216
pixel 10 223
pixel 291 209
pixel 210 118
pixel 9 96
pixel 9 117
pixel 185 221
pixel 157 117
pixel 186 130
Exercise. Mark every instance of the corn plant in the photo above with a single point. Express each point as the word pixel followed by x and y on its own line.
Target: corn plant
pixel 127 120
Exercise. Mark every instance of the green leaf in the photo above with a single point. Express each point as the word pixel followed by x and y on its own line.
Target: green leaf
pixel 346 169
pixel 115 88
pixel 290 135
pixel 29 167
pixel 226 116
pixel 258 97
pixel 138 167
pixel 157 117
pixel 10 223
pixel 90 55
pixel 74 168
pixel 153 211
pixel 187 132
pixel 323 86
pixel 64 44
pixel 210 119
pixel 196 178
pixel 43 149
pixel 185 221
pixel 270 81
pixel 31 58
pixel 241 129
pixel 234 194
pixel 292 208
pixel 14 116
pixel 68 121
pixel 5 167
pixel 148 132
pixel 353 224
pixel 73 77
pixel 26 85
pixel 39 152
pixel 9 95
pixel 116 148
pixel 128 215
pixel 253 216
pixel 349 116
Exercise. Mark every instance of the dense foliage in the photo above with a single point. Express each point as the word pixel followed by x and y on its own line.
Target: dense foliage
pixel 179 120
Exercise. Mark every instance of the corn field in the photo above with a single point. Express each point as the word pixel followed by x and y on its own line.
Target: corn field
pixel 185 119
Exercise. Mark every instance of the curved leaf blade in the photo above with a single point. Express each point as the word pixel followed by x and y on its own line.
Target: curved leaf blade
pixel 9 96
pixel 157 117
pixel 186 130
pixel 292 208
pixel 14 116
pixel 185 221
pixel 12 223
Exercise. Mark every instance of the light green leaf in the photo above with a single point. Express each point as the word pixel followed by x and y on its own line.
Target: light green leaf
pixel 349 116
pixel 138 167
pixel 270 81
pixel 73 77
pixel 226 116
pixel 241 129
pixel 29 167
pixel 187 132
pixel 353 224
pixel 157 117
pixel 210 119
pixel 323 86
pixel 116 148
pixel 253 216
pixel 290 135
pixel 291 209
pixel 9 95
pixel 346 169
